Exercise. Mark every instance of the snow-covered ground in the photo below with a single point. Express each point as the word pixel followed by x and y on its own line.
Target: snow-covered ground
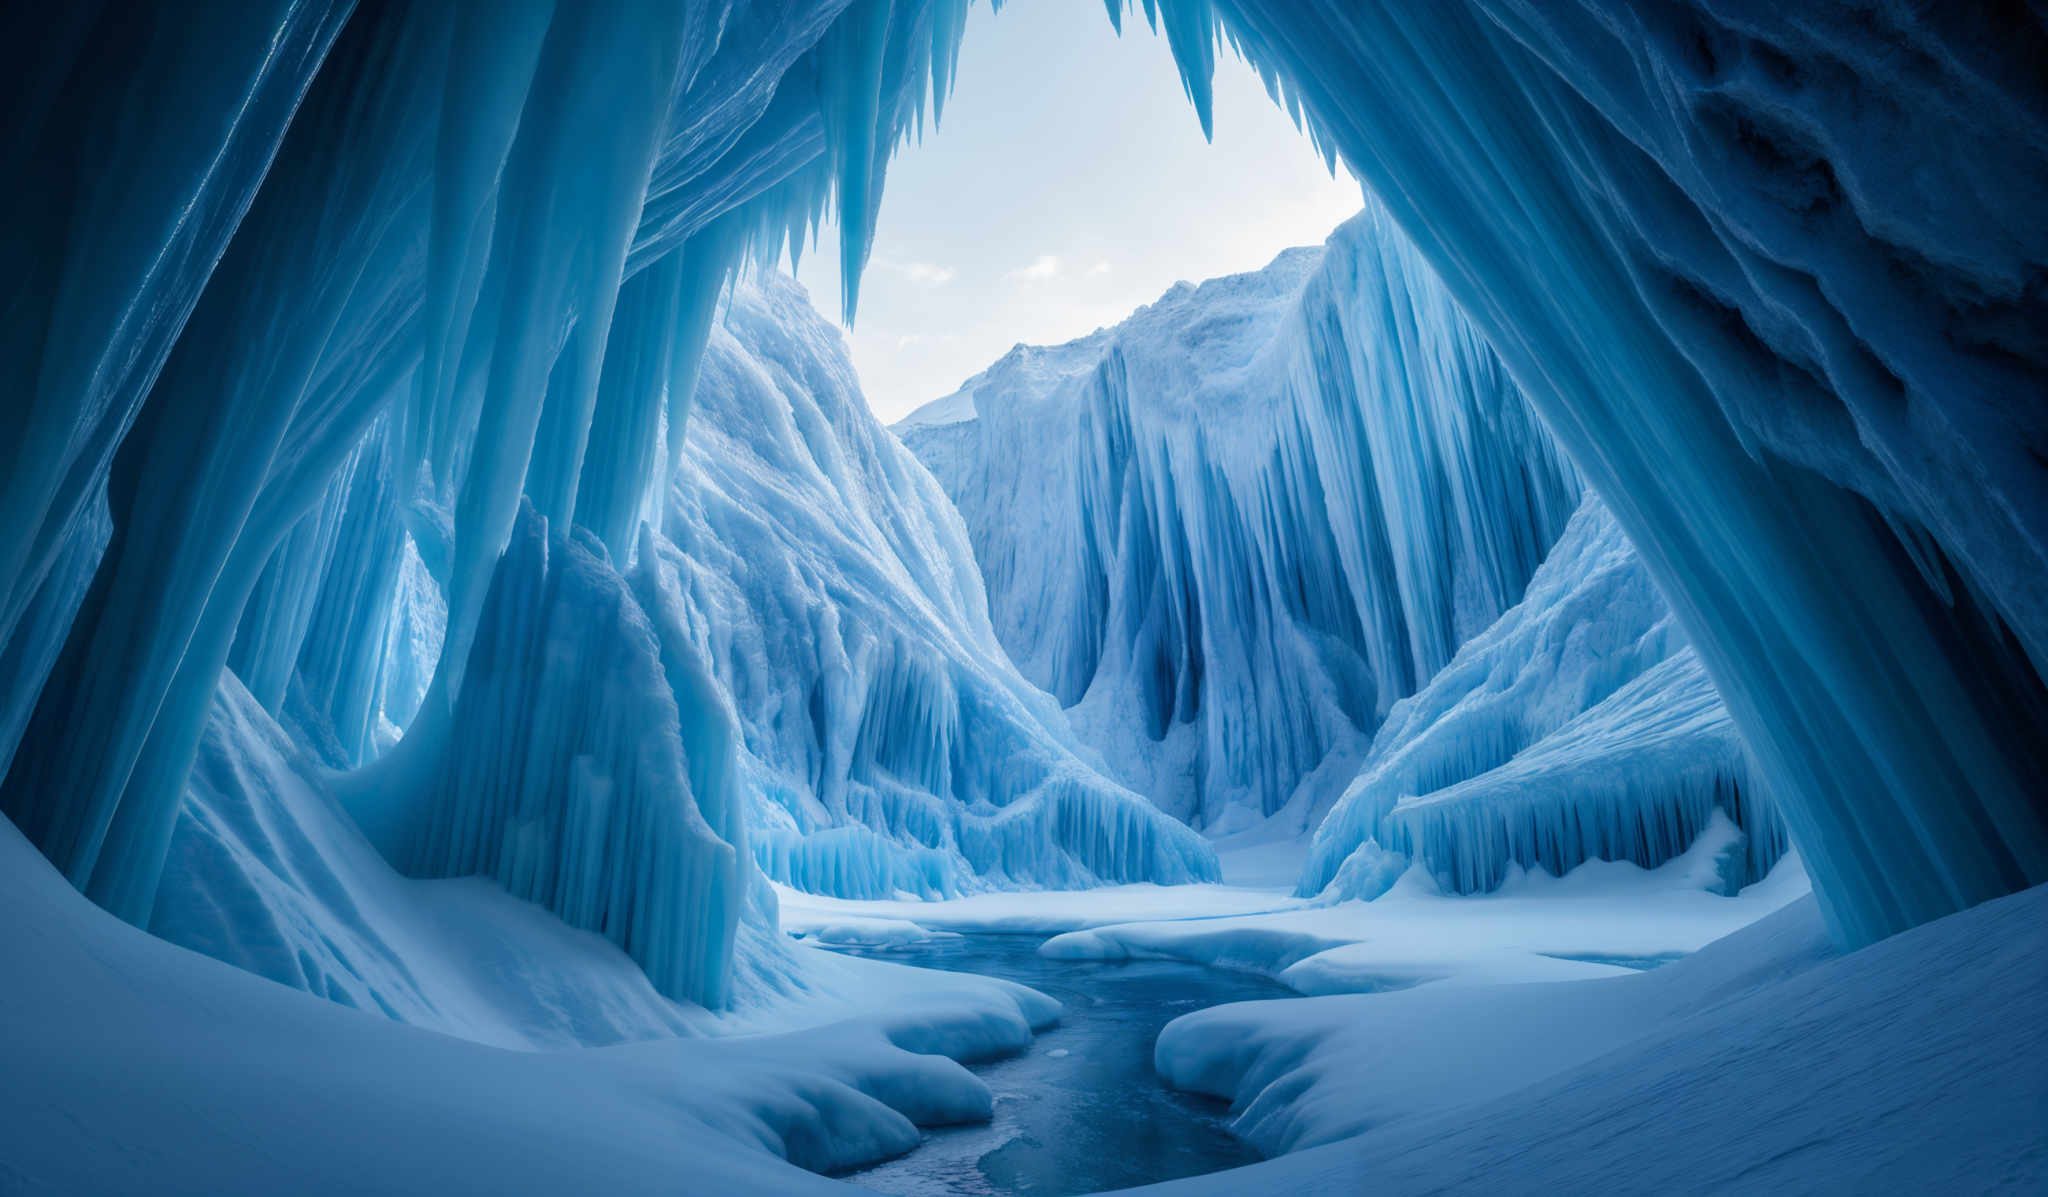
pixel 132 1065
pixel 1764 1064
pixel 1034 912
pixel 1604 918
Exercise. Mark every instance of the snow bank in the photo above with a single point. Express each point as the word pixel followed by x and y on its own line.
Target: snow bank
pixel 1765 1062
pixel 1580 726
pixel 1230 531
pixel 153 1069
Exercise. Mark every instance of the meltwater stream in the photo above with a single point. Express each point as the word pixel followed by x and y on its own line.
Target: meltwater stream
pixel 1082 1110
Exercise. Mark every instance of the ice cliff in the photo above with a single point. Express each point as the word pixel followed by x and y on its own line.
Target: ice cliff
pixel 829 584
pixel 1233 530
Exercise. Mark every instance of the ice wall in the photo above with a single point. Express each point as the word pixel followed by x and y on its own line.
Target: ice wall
pixel 1580 726
pixel 257 233
pixel 1771 274
pixel 830 586
pixel 1231 531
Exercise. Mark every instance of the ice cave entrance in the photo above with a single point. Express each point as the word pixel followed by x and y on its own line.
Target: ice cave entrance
pixel 1263 515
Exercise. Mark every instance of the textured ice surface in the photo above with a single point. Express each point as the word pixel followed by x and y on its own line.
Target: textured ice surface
pixel 1231 531
pixel 828 584
pixel 1579 726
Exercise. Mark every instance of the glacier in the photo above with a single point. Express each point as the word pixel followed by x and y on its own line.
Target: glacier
pixel 1580 726
pixel 1232 530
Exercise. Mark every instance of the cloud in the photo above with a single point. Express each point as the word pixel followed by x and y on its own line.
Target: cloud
pixel 1098 270
pixel 1044 267
pixel 924 274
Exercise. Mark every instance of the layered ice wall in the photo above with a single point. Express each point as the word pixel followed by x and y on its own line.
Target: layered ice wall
pixel 1580 726
pixel 829 584
pixel 1231 531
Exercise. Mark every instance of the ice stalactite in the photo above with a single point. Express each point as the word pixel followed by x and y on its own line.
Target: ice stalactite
pixel 257 233
pixel 1580 726
pixel 1252 516
pixel 836 600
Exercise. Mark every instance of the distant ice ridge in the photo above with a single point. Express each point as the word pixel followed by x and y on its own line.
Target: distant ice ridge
pixel 1579 726
pixel 1231 531
pixel 829 585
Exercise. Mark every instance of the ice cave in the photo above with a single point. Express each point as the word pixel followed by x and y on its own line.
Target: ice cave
pixel 1513 657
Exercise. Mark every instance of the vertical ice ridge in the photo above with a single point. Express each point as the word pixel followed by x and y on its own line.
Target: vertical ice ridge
pixel 1273 505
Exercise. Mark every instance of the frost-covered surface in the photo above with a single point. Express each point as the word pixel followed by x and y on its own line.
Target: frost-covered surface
pixel 1229 532
pixel 1766 1063
pixel 888 743
pixel 1598 920
pixel 1579 726
pixel 154 1069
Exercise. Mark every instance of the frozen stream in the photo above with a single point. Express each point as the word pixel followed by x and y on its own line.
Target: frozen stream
pixel 1081 1111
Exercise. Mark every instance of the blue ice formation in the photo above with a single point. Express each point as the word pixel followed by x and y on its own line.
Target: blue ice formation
pixel 1579 726
pixel 830 586
pixel 1769 274
pixel 301 311
pixel 1251 516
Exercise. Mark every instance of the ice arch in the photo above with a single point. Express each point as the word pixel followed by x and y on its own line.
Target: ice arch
pixel 1774 276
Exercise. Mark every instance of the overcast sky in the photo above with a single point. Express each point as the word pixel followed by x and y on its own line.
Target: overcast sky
pixel 1068 185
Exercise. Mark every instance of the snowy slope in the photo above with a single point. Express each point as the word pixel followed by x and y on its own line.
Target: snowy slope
pixel 889 744
pixel 133 1066
pixel 1579 726
pixel 1231 531
pixel 1765 1063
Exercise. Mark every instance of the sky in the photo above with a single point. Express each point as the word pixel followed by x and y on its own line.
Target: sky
pixel 1068 185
